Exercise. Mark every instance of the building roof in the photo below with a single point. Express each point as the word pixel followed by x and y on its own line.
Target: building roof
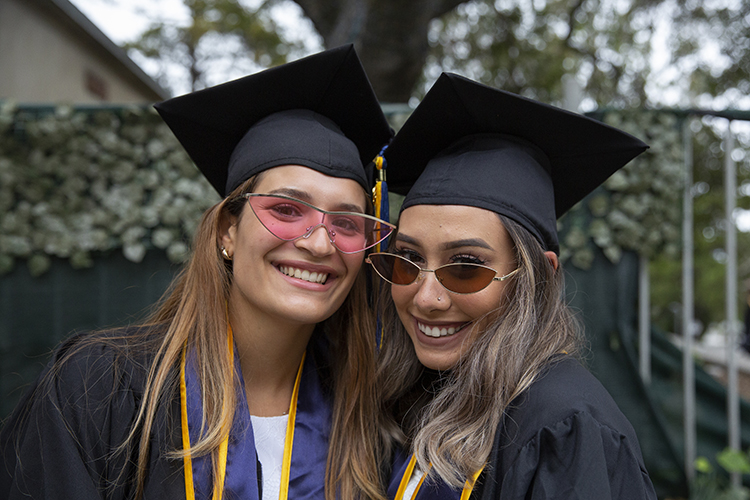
pixel 70 12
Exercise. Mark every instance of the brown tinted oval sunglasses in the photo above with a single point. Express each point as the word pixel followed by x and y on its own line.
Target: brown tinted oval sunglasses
pixel 457 277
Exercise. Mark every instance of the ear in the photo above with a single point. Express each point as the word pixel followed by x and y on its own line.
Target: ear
pixel 552 257
pixel 227 232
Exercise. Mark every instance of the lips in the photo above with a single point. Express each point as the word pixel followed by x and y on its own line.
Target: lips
pixel 438 331
pixel 304 274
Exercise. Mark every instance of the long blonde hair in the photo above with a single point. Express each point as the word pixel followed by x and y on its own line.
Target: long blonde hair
pixel 193 312
pixel 449 419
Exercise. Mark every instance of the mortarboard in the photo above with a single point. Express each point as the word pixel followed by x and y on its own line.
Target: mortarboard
pixel 470 144
pixel 319 112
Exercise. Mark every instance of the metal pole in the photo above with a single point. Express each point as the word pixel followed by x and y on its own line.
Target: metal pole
pixel 688 370
pixel 644 319
pixel 733 404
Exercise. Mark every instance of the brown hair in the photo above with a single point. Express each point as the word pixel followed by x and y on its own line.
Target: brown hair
pixel 449 419
pixel 193 311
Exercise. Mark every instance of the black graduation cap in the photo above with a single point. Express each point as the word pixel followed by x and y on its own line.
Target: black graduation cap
pixel 470 144
pixel 319 112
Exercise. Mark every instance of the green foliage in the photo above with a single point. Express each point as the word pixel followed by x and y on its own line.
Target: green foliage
pixel 75 182
pixel 727 72
pixel 221 31
pixel 526 47
pixel 522 46
pixel 709 484
pixel 734 461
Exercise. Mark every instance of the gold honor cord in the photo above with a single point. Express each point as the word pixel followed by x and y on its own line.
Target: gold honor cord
pixel 465 494
pixel 377 192
pixel 223 447
pixel 377 201
pixel 187 462
pixel 286 465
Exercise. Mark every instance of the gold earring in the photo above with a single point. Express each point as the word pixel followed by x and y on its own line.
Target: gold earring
pixel 225 254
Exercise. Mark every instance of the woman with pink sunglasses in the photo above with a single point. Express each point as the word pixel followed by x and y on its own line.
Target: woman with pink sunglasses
pixel 482 393
pixel 254 377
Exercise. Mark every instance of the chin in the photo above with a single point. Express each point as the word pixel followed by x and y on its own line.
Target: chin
pixel 312 318
pixel 307 312
pixel 440 363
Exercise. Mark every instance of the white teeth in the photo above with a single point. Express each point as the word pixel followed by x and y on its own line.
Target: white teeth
pixel 312 277
pixel 436 332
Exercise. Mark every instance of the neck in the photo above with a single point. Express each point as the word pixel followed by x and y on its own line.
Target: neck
pixel 270 353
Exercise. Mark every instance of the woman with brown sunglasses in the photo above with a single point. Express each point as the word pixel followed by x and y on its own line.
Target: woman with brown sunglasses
pixel 482 394
pixel 253 378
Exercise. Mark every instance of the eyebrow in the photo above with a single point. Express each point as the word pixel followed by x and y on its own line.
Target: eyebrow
pixel 449 245
pixel 305 196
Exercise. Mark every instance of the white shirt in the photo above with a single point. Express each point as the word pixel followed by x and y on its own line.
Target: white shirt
pixel 270 435
pixel 411 486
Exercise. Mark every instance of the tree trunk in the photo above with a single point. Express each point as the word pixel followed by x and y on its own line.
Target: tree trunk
pixel 394 64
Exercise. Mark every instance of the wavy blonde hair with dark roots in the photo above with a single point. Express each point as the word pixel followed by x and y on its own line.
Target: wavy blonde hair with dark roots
pixel 193 312
pixel 449 419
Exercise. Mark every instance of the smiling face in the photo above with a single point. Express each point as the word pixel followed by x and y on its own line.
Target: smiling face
pixel 439 322
pixel 300 282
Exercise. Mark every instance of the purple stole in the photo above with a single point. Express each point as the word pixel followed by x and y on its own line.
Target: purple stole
pixel 309 451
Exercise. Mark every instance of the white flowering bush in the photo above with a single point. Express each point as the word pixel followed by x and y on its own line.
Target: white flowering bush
pixel 639 207
pixel 74 182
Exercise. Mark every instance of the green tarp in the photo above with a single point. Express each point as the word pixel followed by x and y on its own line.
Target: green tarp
pixel 607 297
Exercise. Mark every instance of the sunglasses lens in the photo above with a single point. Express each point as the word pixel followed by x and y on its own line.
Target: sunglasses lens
pixel 464 278
pixel 397 270
pixel 289 219
pixel 284 218
pixel 353 233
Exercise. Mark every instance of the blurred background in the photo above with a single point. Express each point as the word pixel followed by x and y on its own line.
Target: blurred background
pixel 98 202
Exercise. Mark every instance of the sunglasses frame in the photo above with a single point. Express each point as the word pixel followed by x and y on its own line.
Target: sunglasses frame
pixel 311 229
pixel 424 270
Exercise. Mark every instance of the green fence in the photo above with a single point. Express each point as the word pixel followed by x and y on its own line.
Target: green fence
pixel 37 312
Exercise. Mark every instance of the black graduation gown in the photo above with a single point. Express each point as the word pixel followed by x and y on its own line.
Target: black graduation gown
pixel 56 443
pixel 565 438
